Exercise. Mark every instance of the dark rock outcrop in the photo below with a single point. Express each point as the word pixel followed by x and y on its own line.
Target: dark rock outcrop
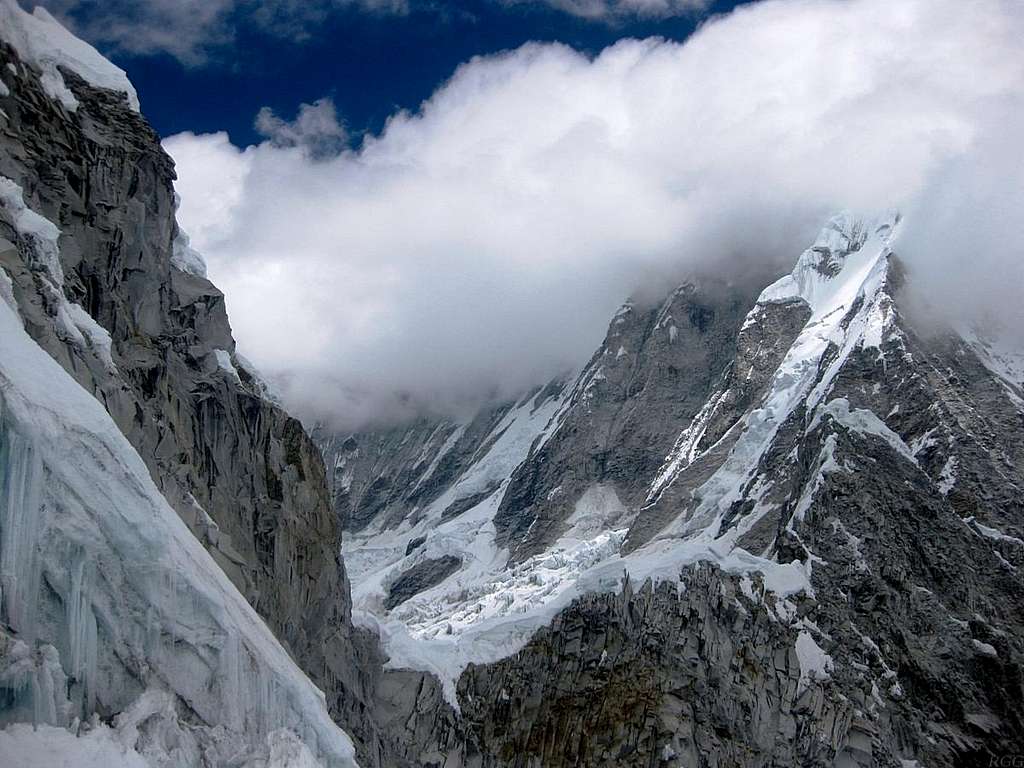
pixel 422 576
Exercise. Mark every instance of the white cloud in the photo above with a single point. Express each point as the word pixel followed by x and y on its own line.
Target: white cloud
pixel 480 244
pixel 316 129
pixel 620 9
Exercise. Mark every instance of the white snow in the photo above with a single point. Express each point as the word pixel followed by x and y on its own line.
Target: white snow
pixel 223 358
pixel 185 257
pixel 518 602
pixel 376 555
pixel 40 231
pixel 140 600
pixel 6 284
pixel 947 478
pixel 4 90
pixel 98 745
pixel 526 586
pixel 92 334
pixel 859 282
pixel 685 451
pixel 41 41
pixel 991 533
pixel 446 447
pixel 826 464
pixel 512 438
pixel 48 747
pixel 857 260
pixel 865 422
pixel 815 664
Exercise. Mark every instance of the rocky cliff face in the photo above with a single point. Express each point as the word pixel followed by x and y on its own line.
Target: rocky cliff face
pixel 817 501
pixel 119 301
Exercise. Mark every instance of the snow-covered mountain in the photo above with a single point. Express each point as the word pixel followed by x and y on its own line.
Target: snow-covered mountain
pixel 768 523
pixel 822 500
pixel 169 571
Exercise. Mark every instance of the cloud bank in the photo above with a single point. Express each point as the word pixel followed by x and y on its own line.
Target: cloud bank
pixel 479 245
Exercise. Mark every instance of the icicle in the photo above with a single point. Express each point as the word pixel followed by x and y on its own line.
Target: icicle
pixel 20 521
pixel 81 627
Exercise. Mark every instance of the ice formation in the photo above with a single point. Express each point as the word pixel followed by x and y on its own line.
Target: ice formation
pixel 110 597
pixel 185 257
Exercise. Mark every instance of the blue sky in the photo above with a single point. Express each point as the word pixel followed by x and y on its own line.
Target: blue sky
pixel 370 62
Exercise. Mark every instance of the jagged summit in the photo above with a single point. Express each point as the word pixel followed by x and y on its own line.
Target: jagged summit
pixel 464 581
pixel 846 249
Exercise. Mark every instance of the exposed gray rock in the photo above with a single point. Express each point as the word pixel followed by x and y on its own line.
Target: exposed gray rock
pixel 760 347
pixel 689 674
pixel 655 370
pixel 422 576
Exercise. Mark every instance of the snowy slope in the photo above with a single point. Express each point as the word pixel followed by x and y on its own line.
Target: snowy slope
pixel 846 269
pixel 104 586
pixel 489 607
pixel 40 40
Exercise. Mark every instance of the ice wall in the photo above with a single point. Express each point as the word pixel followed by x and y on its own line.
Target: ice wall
pixel 107 597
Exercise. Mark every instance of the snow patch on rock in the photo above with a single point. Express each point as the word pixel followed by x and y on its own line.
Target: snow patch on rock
pixel 38 246
pixel 41 41
pixel 185 257
pixel 815 664
pixel 223 358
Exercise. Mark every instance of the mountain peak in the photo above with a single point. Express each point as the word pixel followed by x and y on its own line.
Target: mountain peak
pixel 834 269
